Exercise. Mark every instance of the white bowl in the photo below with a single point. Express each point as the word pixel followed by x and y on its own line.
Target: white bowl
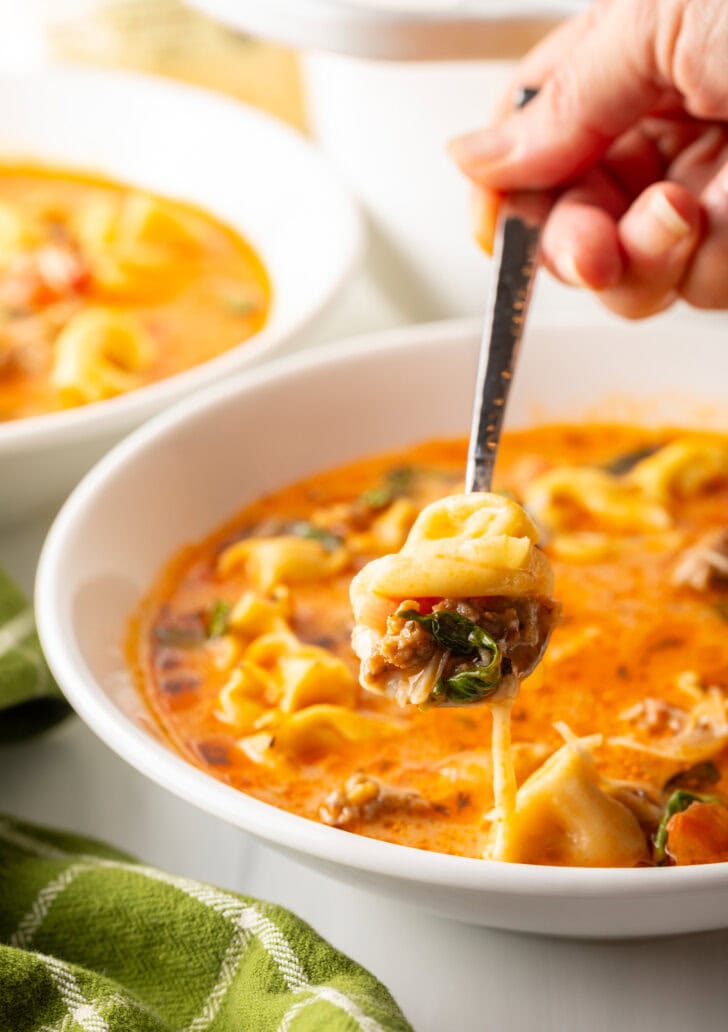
pixel 190 469
pixel 249 169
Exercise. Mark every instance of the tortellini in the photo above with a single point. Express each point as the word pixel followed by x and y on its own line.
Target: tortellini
pixel 463 546
pixel 313 732
pixel 473 560
pixel 388 531
pixel 577 502
pixel 100 353
pixel 681 469
pixel 287 698
pixel 286 559
pixel 322 728
pixel 137 244
pixel 279 671
pixel 563 816
pixel 571 498
pixel 255 614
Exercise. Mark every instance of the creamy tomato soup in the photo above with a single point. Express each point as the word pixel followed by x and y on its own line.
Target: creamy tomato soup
pixel 242 650
pixel 106 287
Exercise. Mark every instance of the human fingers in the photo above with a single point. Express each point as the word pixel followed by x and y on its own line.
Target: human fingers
pixel 630 63
pixel 705 284
pixel 540 61
pixel 658 237
pixel 580 243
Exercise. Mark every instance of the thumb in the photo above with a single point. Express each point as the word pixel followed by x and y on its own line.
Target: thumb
pixel 596 91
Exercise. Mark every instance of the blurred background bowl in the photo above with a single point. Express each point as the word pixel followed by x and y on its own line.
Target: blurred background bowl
pixel 250 170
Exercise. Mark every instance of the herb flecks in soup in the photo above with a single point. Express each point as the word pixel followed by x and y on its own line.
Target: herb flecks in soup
pixel 105 288
pixel 619 735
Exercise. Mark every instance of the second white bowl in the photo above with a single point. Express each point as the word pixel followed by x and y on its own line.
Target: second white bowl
pixel 250 170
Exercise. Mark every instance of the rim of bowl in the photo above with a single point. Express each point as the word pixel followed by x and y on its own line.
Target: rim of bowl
pixel 299 834
pixel 125 410
pixel 412 32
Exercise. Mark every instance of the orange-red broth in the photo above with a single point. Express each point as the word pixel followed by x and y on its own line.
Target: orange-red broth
pixel 641 633
pixel 190 284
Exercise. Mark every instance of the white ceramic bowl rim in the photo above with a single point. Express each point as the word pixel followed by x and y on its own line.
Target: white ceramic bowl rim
pixel 155 760
pixel 393 29
pixel 127 409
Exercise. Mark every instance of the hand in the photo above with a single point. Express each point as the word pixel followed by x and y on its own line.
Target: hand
pixel 631 127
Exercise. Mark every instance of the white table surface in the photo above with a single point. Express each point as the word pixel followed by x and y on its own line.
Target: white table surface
pixel 446 976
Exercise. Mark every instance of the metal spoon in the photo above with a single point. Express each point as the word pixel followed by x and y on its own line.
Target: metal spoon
pixel 521 218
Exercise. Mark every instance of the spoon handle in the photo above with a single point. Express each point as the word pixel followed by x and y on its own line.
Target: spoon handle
pixel 518 231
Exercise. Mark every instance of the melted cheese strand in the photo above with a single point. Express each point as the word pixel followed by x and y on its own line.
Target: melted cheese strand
pixel 504 774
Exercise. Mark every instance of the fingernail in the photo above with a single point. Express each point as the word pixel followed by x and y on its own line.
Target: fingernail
pixel 716 195
pixel 661 226
pixel 482 147
pixel 567 270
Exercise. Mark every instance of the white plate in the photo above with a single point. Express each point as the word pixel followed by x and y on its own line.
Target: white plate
pixel 190 469
pixel 249 169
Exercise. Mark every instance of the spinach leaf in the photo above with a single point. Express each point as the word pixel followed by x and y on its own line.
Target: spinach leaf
pixel 461 636
pixel 622 464
pixel 453 632
pixel 304 529
pixel 699 774
pixel 468 686
pixel 218 618
pixel 678 802
pixel 400 479
pixel 377 497
pixel 397 482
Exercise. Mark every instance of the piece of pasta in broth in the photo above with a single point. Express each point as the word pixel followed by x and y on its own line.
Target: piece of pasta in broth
pixel 565 815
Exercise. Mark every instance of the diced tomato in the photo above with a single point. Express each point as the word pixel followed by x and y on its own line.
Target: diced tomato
pixel 698 835
pixel 427 604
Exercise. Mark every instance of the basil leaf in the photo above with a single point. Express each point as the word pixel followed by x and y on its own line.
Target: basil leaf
pixel 678 802
pixel 622 464
pixel 699 774
pixel 218 618
pixel 304 529
pixel 453 632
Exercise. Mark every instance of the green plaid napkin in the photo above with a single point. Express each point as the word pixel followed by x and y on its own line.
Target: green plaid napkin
pixel 91 941
pixel 30 700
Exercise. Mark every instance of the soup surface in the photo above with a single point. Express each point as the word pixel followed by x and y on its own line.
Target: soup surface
pixel 242 651
pixel 105 287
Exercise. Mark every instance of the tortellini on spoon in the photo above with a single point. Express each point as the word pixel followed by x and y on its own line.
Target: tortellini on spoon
pixel 463 612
